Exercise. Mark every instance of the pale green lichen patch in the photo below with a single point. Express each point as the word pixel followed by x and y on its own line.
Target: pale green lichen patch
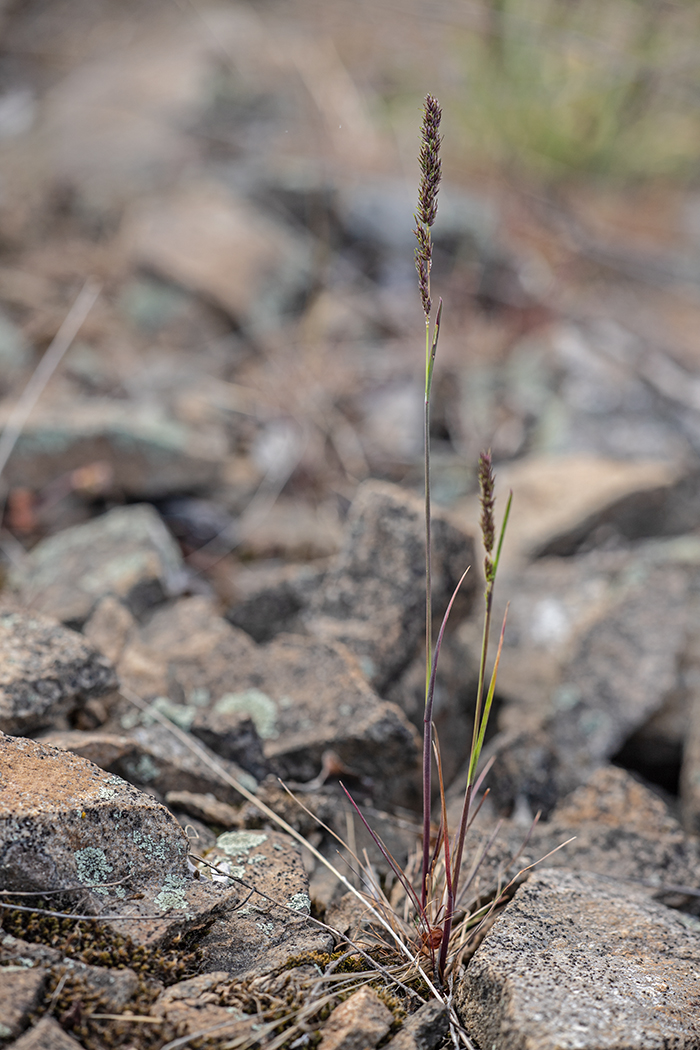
pixel 92 867
pixel 237 843
pixel 158 849
pixel 261 708
pixel 5 1032
pixel 172 896
pixel 300 902
pixel 181 714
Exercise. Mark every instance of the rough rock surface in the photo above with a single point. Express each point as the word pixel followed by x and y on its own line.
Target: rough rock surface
pixel 66 823
pixel 46 1035
pixel 46 671
pixel 271 599
pixel 621 831
pixel 372 598
pixel 303 695
pixel 271 926
pixel 622 669
pixel 357 1024
pixel 20 993
pixel 189 1007
pixel 423 1030
pixel 127 553
pixel 577 963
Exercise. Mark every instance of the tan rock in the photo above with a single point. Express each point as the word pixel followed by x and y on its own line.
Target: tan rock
pixel 558 500
pixel 358 1023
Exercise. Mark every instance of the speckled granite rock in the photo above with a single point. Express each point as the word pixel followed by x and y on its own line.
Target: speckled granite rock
pixel 46 671
pixel 271 926
pixel 127 553
pixel 578 963
pixel 66 823
pixel 372 598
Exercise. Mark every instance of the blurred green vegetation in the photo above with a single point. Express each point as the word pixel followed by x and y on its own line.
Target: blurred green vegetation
pixel 555 89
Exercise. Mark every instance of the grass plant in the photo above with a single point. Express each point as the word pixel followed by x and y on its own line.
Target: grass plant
pixel 434 904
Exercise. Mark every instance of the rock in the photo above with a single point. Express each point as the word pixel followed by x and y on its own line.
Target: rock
pixel 232 734
pixel 303 695
pixel 193 237
pixel 190 1007
pixel 423 1030
pixel 560 501
pixel 150 455
pixel 576 961
pixel 271 926
pixel 623 830
pixel 47 1034
pixel 46 672
pixel 690 770
pixel 206 808
pixel 294 530
pixel 270 598
pixel 153 759
pixel 622 669
pixel 357 1024
pixel 127 554
pixel 114 988
pixel 108 627
pixel 21 991
pixel 68 823
pixel 373 596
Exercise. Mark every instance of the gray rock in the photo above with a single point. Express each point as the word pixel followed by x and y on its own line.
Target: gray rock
pixel 621 831
pixel 47 1034
pixel 46 672
pixel 578 962
pixel 67 823
pixel 21 991
pixel 109 626
pixel 149 454
pixel 270 598
pixel 272 926
pixel 232 734
pixel 359 1023
pixel 690 770
pixel 423 1030
pixel 206 808
pixel 127 553
pixel 303 695
pixel 373 596
pixel 622 669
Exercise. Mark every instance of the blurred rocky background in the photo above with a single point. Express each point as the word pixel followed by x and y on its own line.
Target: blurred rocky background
pixel 219 487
